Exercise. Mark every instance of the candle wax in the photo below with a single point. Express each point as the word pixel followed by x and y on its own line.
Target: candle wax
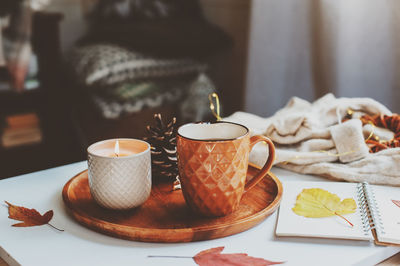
pixel 111 153
pixel 119 155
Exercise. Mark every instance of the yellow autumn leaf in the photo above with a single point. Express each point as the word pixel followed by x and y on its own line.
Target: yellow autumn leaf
pixel 316 203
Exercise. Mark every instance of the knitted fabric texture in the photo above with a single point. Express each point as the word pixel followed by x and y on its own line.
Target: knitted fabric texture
pixel 191 96
pixel 311 139
pixel 105 65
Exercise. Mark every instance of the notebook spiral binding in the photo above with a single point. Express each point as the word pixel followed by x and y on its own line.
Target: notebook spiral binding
pixel 370 216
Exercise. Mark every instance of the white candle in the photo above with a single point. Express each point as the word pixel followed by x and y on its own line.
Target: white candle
pixel 120 172
pixel 117 147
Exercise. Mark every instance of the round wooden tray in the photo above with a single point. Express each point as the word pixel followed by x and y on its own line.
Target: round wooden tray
pixel 164 217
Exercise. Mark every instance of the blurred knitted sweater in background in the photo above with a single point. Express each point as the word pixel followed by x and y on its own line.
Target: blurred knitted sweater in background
pixel 147 53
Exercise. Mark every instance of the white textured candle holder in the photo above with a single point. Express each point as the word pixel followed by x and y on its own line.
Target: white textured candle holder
pixel 120 182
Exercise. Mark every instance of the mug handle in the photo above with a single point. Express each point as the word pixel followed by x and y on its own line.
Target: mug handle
pixel 267 166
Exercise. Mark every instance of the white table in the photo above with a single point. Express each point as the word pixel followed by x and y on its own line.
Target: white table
pixel 42 245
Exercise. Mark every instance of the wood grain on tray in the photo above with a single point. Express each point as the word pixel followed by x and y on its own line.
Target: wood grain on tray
pixel 165 217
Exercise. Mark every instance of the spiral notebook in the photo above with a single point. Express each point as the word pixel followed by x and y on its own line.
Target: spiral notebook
pixel 377 217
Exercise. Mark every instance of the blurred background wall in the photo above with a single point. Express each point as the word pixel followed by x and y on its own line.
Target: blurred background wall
pixel 73 24
pixel 310 47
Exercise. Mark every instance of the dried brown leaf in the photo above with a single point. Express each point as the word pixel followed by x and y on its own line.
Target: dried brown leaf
pixel 28 217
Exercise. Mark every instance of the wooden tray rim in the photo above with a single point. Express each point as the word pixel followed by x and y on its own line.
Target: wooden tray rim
pixel 81 215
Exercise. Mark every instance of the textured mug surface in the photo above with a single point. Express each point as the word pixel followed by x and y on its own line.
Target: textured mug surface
pixel 120 182
pixel 213 161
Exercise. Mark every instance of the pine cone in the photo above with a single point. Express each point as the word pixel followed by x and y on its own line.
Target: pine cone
pixel 162 139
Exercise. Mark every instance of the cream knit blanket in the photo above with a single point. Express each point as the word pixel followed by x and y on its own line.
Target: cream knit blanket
pixel 311 139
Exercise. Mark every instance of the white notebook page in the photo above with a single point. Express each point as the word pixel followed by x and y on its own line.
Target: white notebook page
pixel 389 213
pixel 291 224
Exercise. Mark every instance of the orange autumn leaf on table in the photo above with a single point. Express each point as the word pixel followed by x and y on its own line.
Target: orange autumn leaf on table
pixel 28 217
pixel 213 256
pixel 396 202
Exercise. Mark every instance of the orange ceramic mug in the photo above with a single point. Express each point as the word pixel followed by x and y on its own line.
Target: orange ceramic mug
pixel 213 160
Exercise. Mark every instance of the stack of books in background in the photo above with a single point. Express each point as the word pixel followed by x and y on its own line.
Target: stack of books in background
pixel 21 129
